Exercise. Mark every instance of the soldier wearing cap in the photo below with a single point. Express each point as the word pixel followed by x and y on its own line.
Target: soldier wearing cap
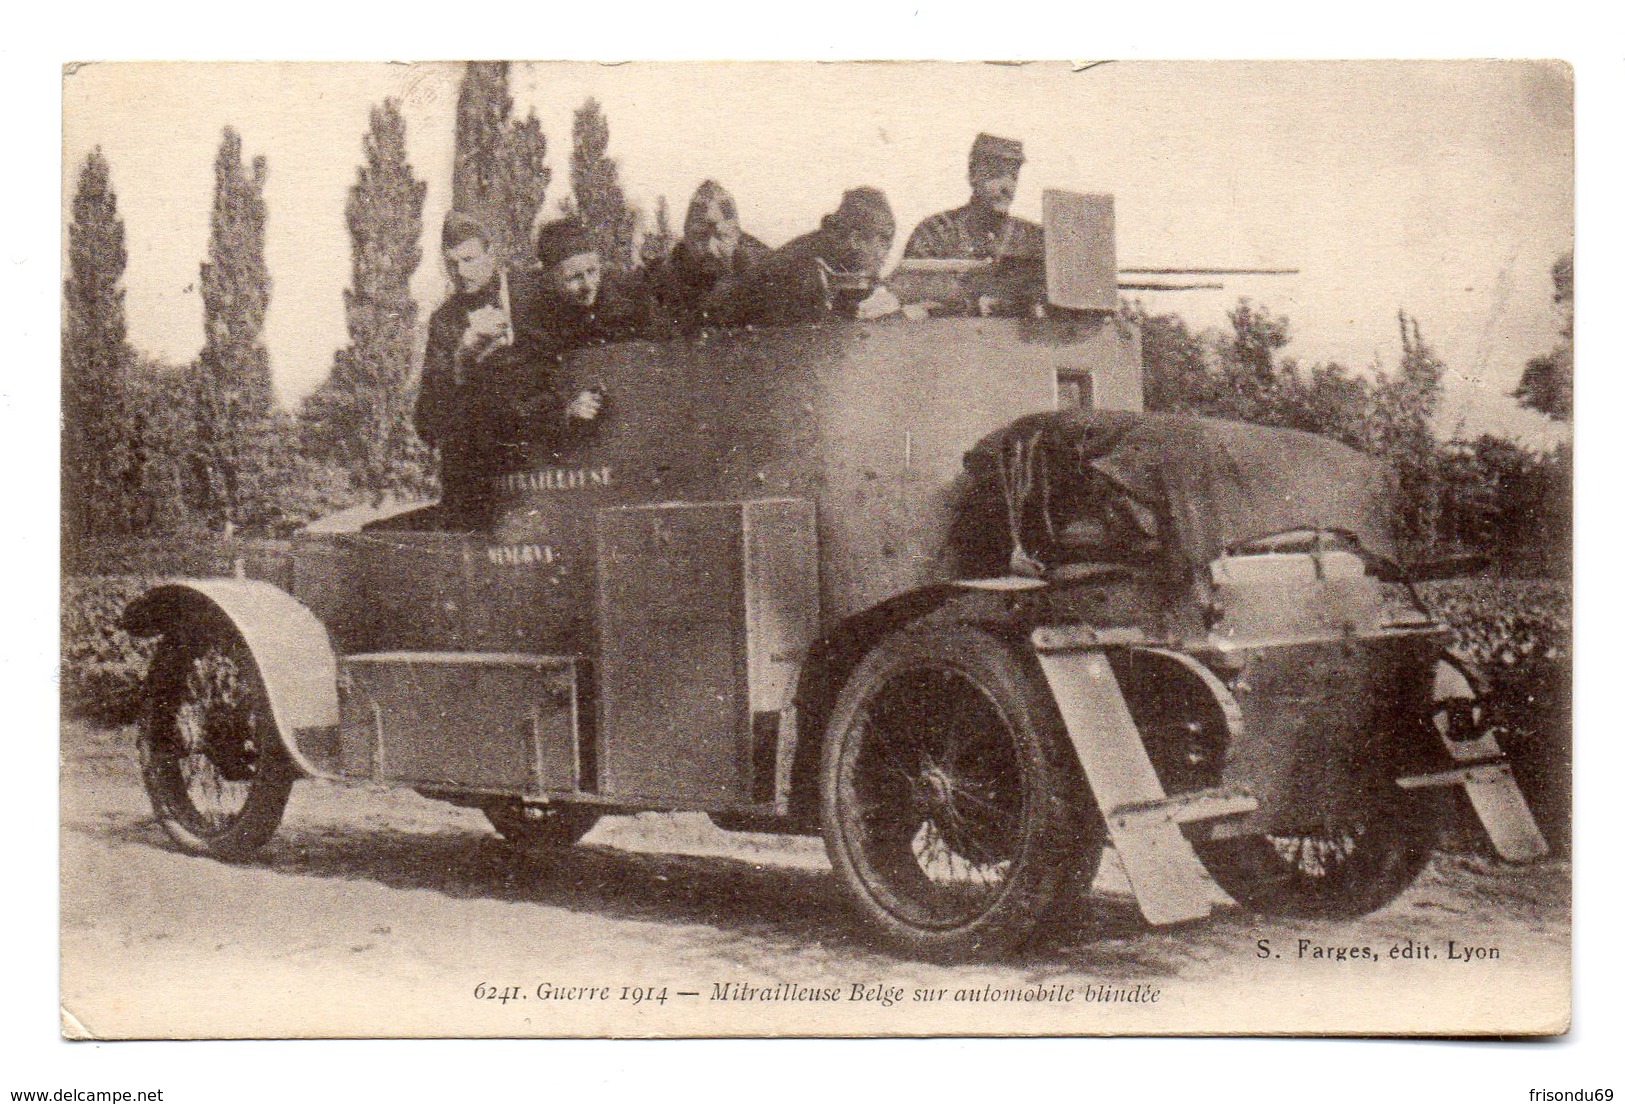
pixel 580 303
pixel 833 270
pixel 714 252
pixel 983 228
pixel 577 304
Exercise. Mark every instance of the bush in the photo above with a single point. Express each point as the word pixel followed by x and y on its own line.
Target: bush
pixel 192 555
pixel 102 665
pixel 1505 624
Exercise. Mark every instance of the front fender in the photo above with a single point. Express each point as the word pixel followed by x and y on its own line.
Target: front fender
pixel 290 647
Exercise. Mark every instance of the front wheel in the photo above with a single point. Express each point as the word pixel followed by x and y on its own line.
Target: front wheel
pixel 1339 870
pixel 211 759
pixel 952 808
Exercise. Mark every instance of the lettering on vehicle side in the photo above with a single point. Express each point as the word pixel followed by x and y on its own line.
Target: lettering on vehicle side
pixel 555 479
pixel 519 555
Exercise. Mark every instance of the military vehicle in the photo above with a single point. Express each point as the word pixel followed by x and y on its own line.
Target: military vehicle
pixel 931 587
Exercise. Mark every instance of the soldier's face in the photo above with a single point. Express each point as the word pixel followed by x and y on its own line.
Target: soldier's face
pixel 472 263
pixel 993 183
pixel 577 278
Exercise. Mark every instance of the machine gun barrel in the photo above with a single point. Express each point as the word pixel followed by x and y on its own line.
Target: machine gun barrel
pixel 1207 272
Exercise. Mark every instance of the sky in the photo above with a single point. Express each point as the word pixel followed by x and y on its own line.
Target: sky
pixel 1444 189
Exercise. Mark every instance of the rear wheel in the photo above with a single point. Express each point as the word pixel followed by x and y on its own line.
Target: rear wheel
pixel 211 759
pixel 952 809
pixel 540 827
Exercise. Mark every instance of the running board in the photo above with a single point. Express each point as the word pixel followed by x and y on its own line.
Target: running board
pixel 1183 808
pixel 1481 770
pixel 1169 882
pixel 1497 800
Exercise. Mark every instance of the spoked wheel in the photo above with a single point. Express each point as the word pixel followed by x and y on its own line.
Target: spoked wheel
pixel 540 827
pixel 213 766
pixel 1342 869
pixel 951 809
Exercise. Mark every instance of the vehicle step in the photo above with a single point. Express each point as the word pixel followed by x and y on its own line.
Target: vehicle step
pixel 1169 881
pixel 1490 770
pixel 479 659
pixel 1184 808
pixel 1502 810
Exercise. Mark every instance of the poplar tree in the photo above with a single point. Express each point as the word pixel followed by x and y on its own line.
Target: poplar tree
pixel 499 174
pixel 233 457
pixel 525 185
pixel 360 418
pixel 100 473
pixel 595 180
pixel 483 105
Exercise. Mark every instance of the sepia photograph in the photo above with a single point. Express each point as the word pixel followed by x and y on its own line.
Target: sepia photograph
pixel 554 549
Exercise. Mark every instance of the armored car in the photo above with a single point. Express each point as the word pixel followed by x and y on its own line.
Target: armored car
pixel 931 587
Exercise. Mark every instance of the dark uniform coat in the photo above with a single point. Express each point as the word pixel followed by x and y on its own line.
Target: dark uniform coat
pixel 966 233
pixel 793 284
pixel 482 413
pixel 684 292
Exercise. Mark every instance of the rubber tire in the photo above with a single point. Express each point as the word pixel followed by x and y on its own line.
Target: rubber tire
pixel 1060 840
pixel 1397 840
pixel 540 827
pixel 273 775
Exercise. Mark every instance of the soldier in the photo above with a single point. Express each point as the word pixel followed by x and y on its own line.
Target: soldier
pixel 714 251
pixel 834 269
pixel 472 343
pixel 580 304
pixel 983 228
pixel 574 304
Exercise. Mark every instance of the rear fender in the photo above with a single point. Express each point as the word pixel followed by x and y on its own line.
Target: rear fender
pixel 290 647
pixel 820 678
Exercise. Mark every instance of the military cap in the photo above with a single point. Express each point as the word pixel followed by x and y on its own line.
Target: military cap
pixel 989 147
pixel 705 195
pixel 863 211
pixel 560 240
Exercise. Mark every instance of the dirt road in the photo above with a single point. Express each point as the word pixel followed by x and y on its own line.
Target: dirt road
pixel 376 912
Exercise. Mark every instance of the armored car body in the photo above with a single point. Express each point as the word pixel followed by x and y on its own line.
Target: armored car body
pixel 932 588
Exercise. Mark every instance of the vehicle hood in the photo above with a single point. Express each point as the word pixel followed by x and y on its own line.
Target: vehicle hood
pixel 1211 485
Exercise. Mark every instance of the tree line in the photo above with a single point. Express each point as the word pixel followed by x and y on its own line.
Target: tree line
pixel 1486 496
pixel 155 449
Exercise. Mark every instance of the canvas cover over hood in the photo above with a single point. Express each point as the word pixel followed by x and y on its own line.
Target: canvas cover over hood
pixel 1209 485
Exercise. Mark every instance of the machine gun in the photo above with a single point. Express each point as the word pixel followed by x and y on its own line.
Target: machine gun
pixel 1077 271
pixel 1158 285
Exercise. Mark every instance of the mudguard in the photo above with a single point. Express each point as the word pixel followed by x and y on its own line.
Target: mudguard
pixel 290 647
pixel 1169 882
